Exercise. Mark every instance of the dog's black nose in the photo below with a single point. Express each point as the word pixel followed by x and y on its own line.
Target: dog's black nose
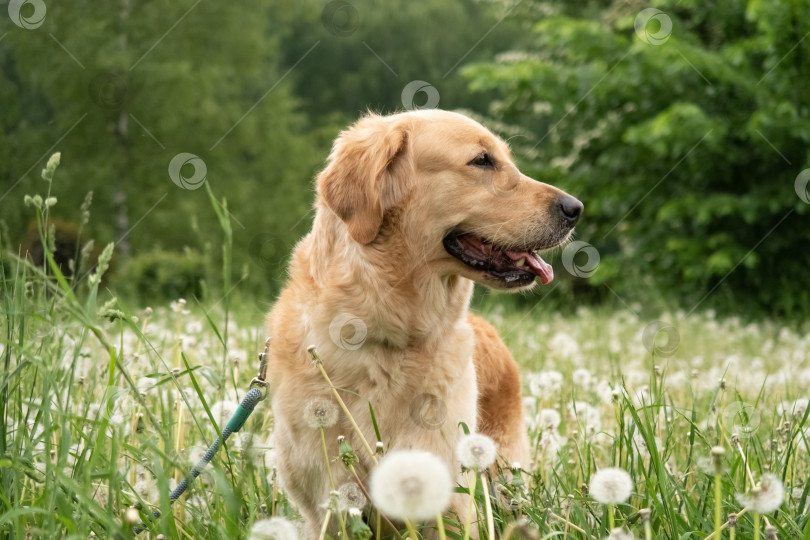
pixel 571 208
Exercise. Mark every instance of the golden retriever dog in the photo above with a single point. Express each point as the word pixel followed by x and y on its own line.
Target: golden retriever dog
pixel 412 209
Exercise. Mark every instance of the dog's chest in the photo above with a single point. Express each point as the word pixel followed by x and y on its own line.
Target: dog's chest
pixel 377 371
pixel 429 380
pixel 416 403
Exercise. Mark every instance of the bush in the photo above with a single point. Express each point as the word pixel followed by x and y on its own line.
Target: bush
pixel 163 275
pixel 685 151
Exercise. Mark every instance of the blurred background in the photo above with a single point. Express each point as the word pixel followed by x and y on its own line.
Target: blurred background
pixel 684 127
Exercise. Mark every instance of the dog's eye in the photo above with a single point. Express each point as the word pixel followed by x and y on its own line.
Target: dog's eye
pixel 483 161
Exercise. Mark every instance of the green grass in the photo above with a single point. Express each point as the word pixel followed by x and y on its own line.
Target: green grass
pixel 92 405
pixel 106 407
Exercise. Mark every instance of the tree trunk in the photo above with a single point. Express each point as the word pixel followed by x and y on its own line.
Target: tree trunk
pixel 122 131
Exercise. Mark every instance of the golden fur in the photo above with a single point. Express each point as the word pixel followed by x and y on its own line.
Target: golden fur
pixel 374 264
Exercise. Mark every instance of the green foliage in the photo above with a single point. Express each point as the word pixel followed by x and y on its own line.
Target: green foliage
pixel 102 416
pixel 130 91
pixel 162 276
pixel 685 153
pixel 369 50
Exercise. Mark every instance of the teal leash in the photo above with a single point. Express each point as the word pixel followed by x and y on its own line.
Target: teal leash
pixel 256 393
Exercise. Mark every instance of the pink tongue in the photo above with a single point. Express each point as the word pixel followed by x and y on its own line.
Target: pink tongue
pixel 539 267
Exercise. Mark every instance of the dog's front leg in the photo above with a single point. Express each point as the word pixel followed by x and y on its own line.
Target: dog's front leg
pixel 303 476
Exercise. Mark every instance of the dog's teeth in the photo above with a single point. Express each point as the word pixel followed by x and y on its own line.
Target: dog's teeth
pixel 521 262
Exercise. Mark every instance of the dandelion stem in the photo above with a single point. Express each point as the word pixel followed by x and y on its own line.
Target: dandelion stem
pixel 342 520
pixel 411 530
pixel 748 472
pixel 725 526
pixel 567 517
pixel 507 533
pixel 133 428
pixel 720 416
pixel 179 510
pixel 440 525
pixel 275 493
pixel 611 518
pixel 471 480
pixel 718 502
pixel 756 525
pixel 317 361
pixel 567 523
pixel 379 525
pixel 488 507
pixel 326 455
pixel 368 496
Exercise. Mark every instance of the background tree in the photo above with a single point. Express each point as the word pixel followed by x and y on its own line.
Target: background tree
pixel 683 136
pixel 121 89
pixel 683 133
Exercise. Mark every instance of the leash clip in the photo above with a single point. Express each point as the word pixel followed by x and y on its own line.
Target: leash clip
pixel 260 380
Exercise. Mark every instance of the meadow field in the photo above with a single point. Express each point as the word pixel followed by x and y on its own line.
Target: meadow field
pixel 665 379
pixel 107 406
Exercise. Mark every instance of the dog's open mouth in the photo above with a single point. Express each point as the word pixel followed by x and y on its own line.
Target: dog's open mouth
pixel 515 268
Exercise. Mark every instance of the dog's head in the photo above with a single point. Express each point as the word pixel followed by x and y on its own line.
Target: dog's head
pixel 443 187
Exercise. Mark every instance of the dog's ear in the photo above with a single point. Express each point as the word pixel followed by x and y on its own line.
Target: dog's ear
pixel 355 184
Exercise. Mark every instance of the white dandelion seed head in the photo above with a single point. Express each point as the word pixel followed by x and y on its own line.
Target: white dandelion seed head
pixel 222 411
pixel 147 490
pixel 320 413
pixel 545 383
pixel 270 458
pixel 563 345
pixel 766 497
pixel 706 465
pixel 588 417
pixel 549 420
pixel 145 385
pixel 550 444
pixel 275 528
pixel 195 453
pixel 476 451
pixel 92 411
pixel 611 485
pixel 131 515
pixel 640 444
pixel 252 447
pixel 582 378
pixel 411 484
pixel 796 409
pixel 604 390
pixel 350 496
